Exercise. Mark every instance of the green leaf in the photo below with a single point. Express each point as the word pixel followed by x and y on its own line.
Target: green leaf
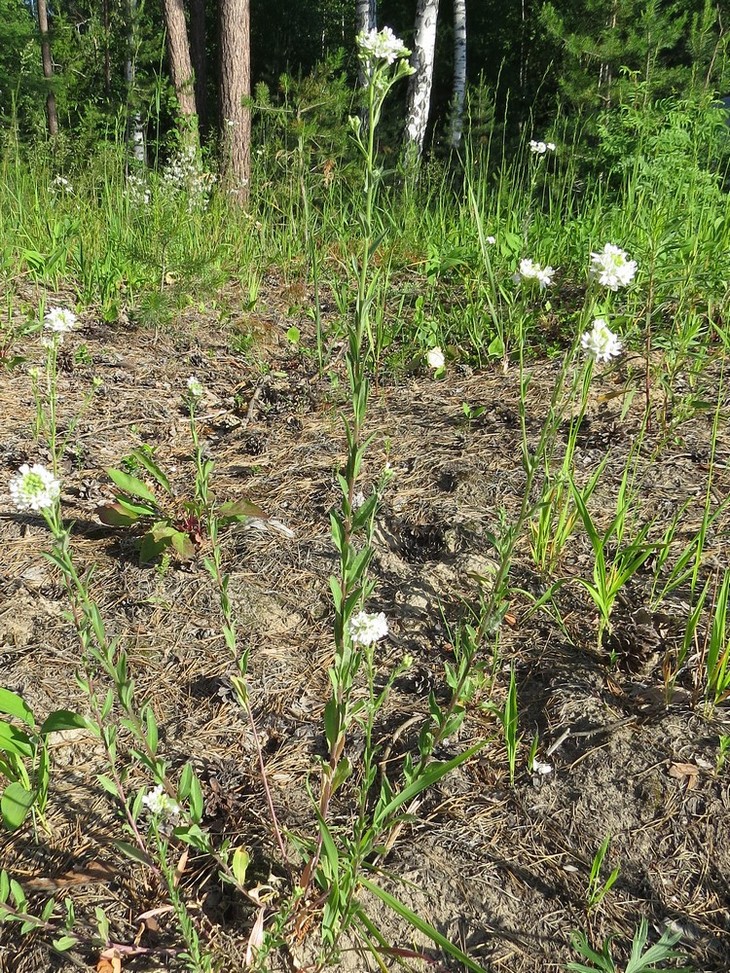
pixel 108 784
pixel 421 925
pixel 496 347
pixel 64 943
pixel 133 852
pixel 182 544
pixel 150 548
pixel 130 484
pixel 15 804
pixel 13 740
pixel 63 719
pixel 4 886
pixel 239 865
pixel 196 800
pixel 144 459
pixel 244 509
pixel 15 705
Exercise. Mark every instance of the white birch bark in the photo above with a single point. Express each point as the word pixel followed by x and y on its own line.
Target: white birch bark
pixel 365 16
pixel 420 83
pixel 457 100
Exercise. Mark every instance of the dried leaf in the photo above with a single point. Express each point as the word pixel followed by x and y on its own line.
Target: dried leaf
pixel 109 962
pixel 685 772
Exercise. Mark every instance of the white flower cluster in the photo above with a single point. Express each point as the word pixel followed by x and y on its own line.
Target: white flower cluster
pixel 436 358
pixel 61 186
pixel 540 148
pixel 161 805
pixel 600 342
pixel 59 320
pixel 185 173
pixel 34 488
pixel 529 270
pixel 195 388
pixel 138 191
pixel 381 45
pixel 367 628
pixel 612 268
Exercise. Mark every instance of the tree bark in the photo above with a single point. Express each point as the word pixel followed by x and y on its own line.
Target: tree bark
pixel 235 91
pixel 135 128
pixel 420 83
pixel 51 112
pixel 200 65
pixel 181 68
pixel 457 100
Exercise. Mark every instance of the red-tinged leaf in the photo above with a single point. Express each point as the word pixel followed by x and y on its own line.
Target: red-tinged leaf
pixel 114 515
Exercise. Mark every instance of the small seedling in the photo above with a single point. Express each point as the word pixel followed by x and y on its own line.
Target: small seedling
pixel 598 889
pixel 639 961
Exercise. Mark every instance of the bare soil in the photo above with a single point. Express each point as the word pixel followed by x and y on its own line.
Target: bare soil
pixel 502 871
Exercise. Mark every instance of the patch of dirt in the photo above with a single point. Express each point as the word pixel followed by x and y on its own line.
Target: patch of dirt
pixel 501 870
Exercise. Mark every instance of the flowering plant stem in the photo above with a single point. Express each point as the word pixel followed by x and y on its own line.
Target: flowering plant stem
pixel 352 587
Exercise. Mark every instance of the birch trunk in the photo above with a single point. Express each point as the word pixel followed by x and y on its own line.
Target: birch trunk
pixel 135 128
pixel 235 91
pixel 420 83
pixel 51 112
pixel 457 100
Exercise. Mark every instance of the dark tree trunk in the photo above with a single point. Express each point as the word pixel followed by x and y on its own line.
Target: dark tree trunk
pixel 47 68
pixel 200 65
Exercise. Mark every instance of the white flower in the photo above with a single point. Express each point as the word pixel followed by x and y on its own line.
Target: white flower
pixel 34 373
pixel 529 270
pixel 358 500
pixel 160 804
pixel 540 148
pixel 61 185
pixel 195 388
pixel 491 240
pixel 543 769
pixel 367 628
pixel 59 320
pixel 380 46
pixel 612 268
pixel 34 488
pixel 137 190
pixel 435 358
pixel 601 343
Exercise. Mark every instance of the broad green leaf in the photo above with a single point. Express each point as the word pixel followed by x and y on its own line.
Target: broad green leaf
pixel 150 548
pixel 13 740
pixel 182 544
pixel 15 804
pixel 15 705
pixel 130 484
pixel 239 865
pixel 63 719
pixel 64 943
pixel 241 508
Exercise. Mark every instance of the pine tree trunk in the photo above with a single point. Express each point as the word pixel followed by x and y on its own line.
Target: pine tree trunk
pixel 457 101
pixel 181 68
pixel 51 113
pixel 420 83
pixel 197 51
pixel 235 91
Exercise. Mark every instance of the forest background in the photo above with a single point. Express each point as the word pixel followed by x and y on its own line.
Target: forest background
pixel 108 64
